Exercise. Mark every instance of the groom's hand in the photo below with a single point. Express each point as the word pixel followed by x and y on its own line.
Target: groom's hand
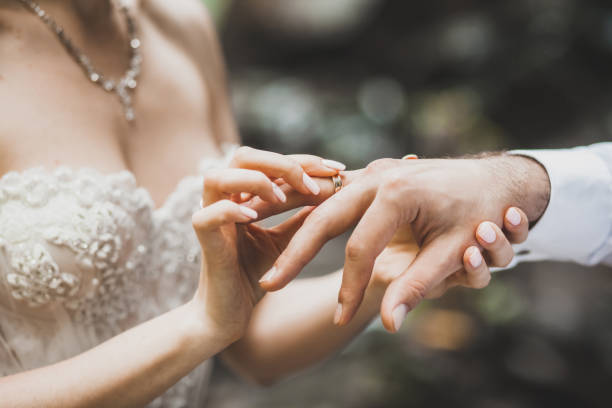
pixel 442 200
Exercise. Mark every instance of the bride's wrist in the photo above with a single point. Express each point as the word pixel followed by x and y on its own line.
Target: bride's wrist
pixel 199 326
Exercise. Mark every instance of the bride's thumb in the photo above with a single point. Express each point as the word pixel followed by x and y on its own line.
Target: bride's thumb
pixel 209 219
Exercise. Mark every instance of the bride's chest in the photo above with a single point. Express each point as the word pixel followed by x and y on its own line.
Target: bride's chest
pixel 94 244
pixel 54 115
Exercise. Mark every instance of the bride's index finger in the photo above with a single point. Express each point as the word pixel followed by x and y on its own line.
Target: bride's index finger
pixel 296 199
pixel 292 169
pixel 318 167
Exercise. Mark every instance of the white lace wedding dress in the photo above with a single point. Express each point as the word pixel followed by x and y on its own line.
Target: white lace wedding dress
pixel 85 256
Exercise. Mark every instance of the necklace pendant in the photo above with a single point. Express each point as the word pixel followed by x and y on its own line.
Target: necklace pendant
pixel 128 83
pixel 123 91
pixel 129 114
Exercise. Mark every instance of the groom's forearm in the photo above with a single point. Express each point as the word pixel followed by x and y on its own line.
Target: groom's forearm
pixel 293 329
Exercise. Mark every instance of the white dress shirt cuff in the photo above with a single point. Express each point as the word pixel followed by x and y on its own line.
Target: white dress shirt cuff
pixel 576 224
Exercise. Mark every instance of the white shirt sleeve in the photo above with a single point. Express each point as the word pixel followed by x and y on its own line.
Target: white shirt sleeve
pixel 577 224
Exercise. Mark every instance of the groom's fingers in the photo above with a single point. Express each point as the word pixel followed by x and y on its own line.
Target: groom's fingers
pixel 327 221
pixel 374 231
pixel 436 261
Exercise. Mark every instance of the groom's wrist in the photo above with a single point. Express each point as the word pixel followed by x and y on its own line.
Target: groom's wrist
pixel 523 182
pixel 531 186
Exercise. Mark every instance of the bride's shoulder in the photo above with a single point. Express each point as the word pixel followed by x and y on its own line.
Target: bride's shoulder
pixel 186 18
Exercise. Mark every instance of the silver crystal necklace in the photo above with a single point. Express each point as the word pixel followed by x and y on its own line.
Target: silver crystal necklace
pixel 127 83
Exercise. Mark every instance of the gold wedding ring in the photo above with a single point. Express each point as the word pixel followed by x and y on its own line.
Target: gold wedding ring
pixel 337 180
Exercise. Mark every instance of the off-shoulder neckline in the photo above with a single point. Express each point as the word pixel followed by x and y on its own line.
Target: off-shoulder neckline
pixel 203 164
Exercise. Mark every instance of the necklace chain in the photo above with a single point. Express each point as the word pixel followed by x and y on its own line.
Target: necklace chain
pixel 127 83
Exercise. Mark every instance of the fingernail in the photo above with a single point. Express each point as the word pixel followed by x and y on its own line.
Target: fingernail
pixel 310 184
pixel 279 193
pixel 410 157
pixel 338 314
pixel 249 212
pixel 332 164
pixel 486 232
pixel 269 275
pixel 513 216
pixel 399 314
pixel 475 258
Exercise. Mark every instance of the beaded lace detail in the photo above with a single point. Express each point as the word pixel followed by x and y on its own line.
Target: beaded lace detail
pixel 84 256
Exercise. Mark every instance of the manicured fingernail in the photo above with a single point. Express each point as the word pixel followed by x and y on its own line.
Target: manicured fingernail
pixel 279 193
pixel 269 275
pixel 399 314
pixel 249 212
pixel 310 184
pixel 486 232
pixel 410 157
pixel 332 164
pixel 475 258
pixel 338 314
pixel 513 216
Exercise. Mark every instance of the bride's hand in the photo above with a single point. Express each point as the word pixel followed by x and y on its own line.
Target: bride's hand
pixel 236 252
pixel 475 274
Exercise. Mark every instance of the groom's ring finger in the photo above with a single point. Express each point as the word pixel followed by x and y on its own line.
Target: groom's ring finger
pixel 219 184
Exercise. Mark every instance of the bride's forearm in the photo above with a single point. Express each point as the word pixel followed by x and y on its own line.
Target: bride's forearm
pixel 128 370
pixel 293 329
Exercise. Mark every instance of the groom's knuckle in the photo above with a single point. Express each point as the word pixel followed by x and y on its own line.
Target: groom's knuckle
pixel 394 182
pixel 355 251
pixel 379 165
pixel 350 296
pixel 317 221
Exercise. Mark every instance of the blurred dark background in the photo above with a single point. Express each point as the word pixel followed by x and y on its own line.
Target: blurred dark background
pixel 356 80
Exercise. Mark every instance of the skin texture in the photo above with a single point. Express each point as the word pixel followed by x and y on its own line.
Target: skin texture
pixel 73 118
pixel 442 201
pixel 53 116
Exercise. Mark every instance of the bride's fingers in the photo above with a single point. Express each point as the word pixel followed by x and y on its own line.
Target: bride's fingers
pixel 516 225
pixel 283 232
pixel 316 166
pixel 276 165
pixel 295 199
pixel 477 274
pixel 219 184
pixel 222 212
pixel 497 248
